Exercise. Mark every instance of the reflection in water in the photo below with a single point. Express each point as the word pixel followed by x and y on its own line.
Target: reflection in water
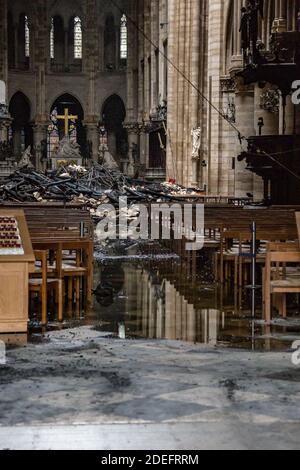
pixel 165 301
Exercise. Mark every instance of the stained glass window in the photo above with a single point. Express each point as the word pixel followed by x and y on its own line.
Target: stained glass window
pixel 52 39
pixel 77 38
pixel 27 37
pixel 123 38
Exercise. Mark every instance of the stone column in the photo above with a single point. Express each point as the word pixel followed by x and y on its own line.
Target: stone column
pixel 215 52
pixel 193 95
pixel 92 135
pixel 39 135
pixel 16 26
pixel 244 122
pixel 3 44
pixel 280 21
pixel 5 119
pixel 4 127
pixel 66 49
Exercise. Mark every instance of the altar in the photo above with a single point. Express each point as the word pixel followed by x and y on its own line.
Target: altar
pixel 67 153
pixel 68 150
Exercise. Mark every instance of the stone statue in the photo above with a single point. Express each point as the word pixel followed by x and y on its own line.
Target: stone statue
pixel 109 161
pixel 26 159
pixel 196 136
pixel 244 29
pixel 67 149
pixel 106 159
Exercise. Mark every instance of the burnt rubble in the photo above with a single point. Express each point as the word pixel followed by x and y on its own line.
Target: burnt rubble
pixel 89 187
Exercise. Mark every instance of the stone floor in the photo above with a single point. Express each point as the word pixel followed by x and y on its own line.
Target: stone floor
pixel 82 389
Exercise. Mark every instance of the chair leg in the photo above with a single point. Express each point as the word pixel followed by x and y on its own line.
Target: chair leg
pixel 44 306
pixel 60 300
pixel 77 288
pixel 268 305
pixel 70 289
pixel 283 306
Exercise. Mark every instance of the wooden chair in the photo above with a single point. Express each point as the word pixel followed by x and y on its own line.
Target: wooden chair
pixel 279 279
pixel 41 284
pixel 72 271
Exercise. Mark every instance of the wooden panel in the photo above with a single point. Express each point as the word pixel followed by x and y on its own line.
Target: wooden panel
pixel 13 297
pixel 298 223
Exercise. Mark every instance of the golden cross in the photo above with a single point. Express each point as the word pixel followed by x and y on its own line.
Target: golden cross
pixel 67 117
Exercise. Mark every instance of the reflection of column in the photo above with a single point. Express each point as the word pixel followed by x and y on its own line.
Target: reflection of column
pixel 170 332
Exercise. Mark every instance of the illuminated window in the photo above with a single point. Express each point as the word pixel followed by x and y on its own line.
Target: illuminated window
pixel 77 38
pixel 52 39
pixel 123 38
pixel 27 38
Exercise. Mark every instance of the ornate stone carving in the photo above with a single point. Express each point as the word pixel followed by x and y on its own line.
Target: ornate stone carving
pixel 161 112
pixel 270 101
pixel 133 127
pixel 228 84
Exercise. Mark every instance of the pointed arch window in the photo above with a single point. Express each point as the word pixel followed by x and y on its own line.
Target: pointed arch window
pixel 27 37
pixel 123 38
pixel 77 38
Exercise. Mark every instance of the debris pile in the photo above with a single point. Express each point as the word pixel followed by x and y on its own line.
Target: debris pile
pixel 89 187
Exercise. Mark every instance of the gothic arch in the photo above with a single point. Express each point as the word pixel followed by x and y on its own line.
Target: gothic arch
pixel 56 97
pixel 77 130
pixel 21 130
pixel 113 117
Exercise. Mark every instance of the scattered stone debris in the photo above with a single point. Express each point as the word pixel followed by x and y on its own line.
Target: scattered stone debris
pixel 87 187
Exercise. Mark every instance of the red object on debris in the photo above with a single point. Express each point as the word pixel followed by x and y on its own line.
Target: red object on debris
pixel 172 181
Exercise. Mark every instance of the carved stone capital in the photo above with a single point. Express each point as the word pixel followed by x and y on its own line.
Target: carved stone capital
pixel 228 84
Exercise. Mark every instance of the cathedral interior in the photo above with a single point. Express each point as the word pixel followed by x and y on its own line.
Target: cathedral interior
pixel 138 342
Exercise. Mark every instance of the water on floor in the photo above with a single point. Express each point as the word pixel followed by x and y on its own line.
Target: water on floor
pixel 155 295
pixel 163 300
